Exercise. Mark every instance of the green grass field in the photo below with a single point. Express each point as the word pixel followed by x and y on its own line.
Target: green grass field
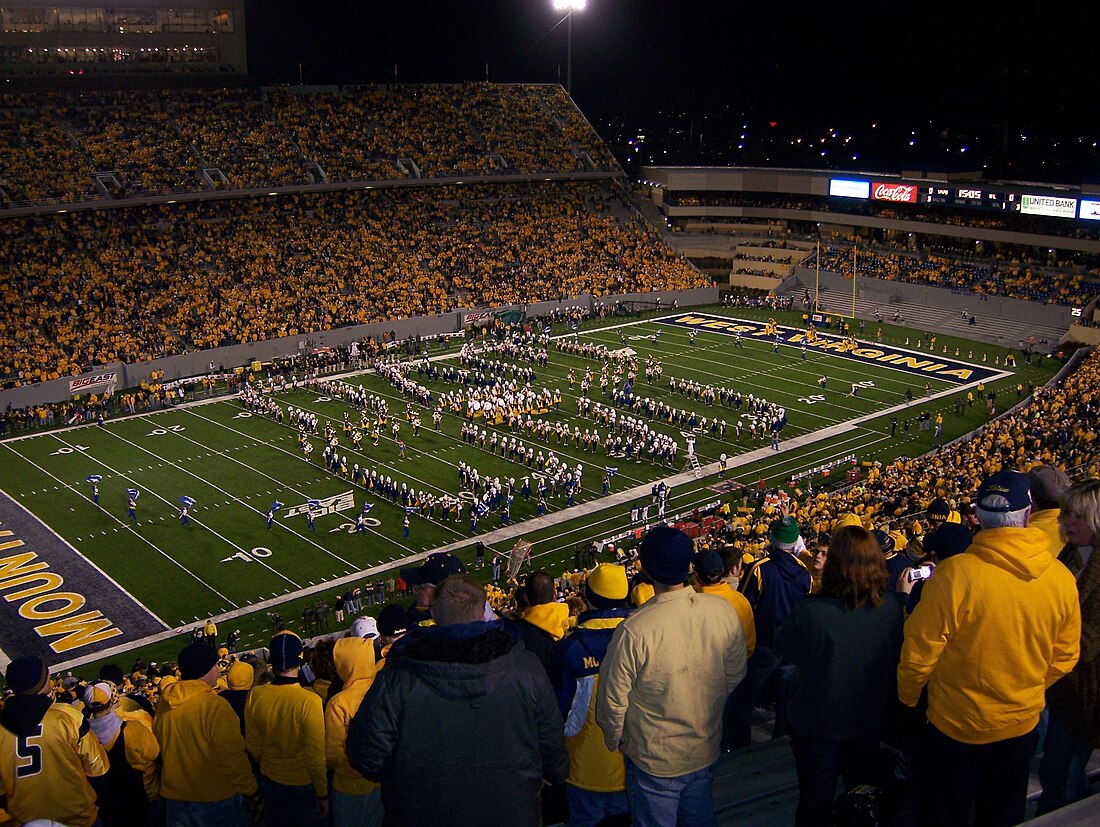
pixel 236 465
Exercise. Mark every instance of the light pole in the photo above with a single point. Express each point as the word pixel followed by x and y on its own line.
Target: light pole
pixel 569 6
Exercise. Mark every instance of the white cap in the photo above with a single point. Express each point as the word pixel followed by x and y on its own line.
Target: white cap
pixel 364 627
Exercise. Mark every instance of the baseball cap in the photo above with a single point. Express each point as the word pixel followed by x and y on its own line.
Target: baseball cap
pixel 939 507
pixel 1048 483
pixel 99 696
pixel 392 621
pixel 708 561
pixel 1003 492
pixel 434 570
pixel 364 627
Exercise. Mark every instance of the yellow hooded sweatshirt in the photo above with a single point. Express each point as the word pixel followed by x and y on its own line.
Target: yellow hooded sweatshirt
pixel 202 750
pixel 994 628
pixel 552 618
pixel 354 657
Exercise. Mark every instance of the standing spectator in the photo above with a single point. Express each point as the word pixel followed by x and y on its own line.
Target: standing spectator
pixel 462 728
pixel 994 628
pixel 544 621
pixel 1048 485
pixel 284 727
pixel 133 779
pixel 1074 701
pixel 356 802
pixel 210 633
pixel 204 764
pixel 774 586
pixel 597 780
pixel 338 607
pixel 668 670
pixel 423 579
pixel 48 756
pixel 844 645
pixel 238 680
pixel 710 578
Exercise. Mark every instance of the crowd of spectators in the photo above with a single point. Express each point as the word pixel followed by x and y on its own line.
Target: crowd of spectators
pixel 129 285
pixel 584 690
pixel 1014 279
pixel 158 142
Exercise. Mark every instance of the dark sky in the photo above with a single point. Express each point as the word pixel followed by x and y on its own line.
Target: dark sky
pixel 630 56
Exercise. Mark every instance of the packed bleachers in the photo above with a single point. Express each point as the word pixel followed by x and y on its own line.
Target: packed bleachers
pixel 1053 428
pixel 157 142
pixel 107 285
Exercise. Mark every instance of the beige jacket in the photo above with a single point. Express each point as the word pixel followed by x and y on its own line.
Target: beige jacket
pixel 669 668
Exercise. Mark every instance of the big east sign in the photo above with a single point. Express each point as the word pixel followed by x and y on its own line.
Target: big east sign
pixel 894 192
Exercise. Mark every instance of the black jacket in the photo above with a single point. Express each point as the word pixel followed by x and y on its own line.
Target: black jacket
pixel 461 729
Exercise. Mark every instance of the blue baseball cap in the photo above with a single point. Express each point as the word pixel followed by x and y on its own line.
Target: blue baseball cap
pixel 1003 492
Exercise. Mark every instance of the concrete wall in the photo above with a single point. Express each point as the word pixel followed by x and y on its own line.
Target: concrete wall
pixel 755 282
pixel 197 362
pixel 884 292
pixel 1082 334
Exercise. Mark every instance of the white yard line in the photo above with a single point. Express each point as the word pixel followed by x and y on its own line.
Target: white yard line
pixel 124 524
pixel 169 503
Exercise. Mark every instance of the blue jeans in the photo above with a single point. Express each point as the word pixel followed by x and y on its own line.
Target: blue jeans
pixel 228 813
pixel 588 808
pixel 287 805
pixel 659 802
pixel 1062 770
pixel 356 810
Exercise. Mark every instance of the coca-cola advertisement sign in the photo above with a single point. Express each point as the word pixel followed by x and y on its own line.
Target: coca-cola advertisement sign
pixel 881 191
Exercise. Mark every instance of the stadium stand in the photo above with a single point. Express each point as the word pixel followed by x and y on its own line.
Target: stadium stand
pixel 134 284
pixel 159 142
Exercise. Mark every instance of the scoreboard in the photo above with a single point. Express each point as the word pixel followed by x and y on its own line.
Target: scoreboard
pixel 967 196
pixel 970 197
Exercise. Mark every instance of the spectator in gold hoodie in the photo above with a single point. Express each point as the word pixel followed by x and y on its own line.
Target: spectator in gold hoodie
pixel 356 802
pixel 204 771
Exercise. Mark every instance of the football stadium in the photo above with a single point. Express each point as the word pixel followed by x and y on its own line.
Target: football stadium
pixel 296 377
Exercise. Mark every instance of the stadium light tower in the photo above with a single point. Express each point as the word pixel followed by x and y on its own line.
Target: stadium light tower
pixel 569 6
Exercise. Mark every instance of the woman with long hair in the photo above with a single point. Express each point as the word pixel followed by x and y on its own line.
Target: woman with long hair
pixel 845 642
pixel 1074 701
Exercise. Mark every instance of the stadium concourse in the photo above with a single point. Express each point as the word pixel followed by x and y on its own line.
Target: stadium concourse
pixel 324 726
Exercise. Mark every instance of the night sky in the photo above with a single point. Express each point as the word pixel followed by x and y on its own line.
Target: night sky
pixel 633 55
pixel 638 61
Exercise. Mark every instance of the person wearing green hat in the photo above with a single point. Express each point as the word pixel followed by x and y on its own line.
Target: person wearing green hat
pixel 774 586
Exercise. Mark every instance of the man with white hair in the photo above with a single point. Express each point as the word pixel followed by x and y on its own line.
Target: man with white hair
pixel 995 627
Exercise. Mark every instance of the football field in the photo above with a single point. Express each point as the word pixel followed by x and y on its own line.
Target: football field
pixel 82 579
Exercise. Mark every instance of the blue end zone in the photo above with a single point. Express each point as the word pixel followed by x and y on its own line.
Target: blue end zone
pixel 928 365
pixel 57 604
